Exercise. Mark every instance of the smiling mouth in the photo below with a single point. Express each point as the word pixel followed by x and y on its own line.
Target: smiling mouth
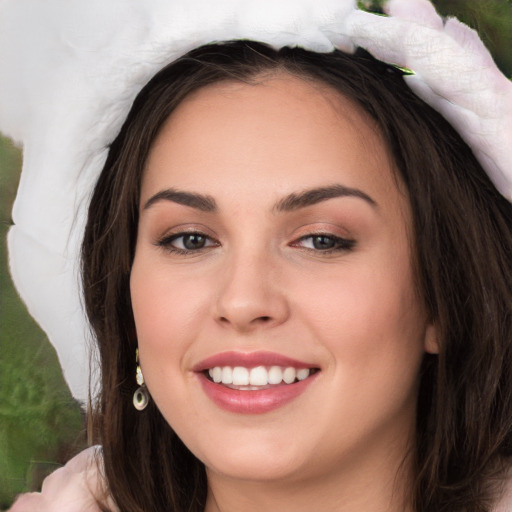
pixel 257 378
pixel 254 382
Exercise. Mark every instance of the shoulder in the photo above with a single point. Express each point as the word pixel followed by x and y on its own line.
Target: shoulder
pixel 76 487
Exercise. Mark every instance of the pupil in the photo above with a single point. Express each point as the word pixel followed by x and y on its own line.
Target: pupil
pixel 323 242
pixel 194 241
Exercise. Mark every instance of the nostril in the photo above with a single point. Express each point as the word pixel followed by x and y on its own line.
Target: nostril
pixel 246 320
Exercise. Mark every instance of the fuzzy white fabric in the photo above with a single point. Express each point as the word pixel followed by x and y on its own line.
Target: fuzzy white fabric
pixel 71 69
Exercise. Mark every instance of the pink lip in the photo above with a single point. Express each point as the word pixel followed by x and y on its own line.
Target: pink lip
pixel 253 401
pixel 250 360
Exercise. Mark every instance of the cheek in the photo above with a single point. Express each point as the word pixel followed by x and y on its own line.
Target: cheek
pixel 371 303
pixel 160 321
pixel 372 322
pixel 373 328
pixel 164 312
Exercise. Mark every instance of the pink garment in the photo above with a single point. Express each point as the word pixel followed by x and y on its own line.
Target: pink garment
pixel 76 487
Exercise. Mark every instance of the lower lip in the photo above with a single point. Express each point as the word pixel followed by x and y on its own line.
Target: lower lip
pixel 255 401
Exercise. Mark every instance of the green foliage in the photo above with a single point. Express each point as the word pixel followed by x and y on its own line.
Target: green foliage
pixel 371 5
pixel 39 421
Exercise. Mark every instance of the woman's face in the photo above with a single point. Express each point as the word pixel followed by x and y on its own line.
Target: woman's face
pixel 279 329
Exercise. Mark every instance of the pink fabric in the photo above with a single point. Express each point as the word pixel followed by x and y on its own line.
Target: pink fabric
pixel 76 487
pixel 419 11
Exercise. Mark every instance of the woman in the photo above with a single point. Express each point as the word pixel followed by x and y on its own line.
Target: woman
pixel 292 242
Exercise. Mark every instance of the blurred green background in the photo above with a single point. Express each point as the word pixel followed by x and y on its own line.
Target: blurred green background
pixel 41 426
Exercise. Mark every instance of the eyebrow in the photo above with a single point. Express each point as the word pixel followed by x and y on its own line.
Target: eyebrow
pixel 291 202
pixel 314 196
pixel 192 199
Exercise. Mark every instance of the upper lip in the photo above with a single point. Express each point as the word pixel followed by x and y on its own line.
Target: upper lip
pixel 250 360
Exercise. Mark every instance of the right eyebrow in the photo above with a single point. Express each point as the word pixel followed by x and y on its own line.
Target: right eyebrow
pixel 194 200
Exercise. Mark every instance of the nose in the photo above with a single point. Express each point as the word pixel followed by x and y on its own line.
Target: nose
pixel 250 295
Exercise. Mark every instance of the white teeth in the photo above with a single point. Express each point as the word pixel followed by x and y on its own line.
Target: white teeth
pixel 303 373
pixel 216 374
pixel 240 376
pixel 227 375
pixel 275 375
pixel 289 375
pixel 258 376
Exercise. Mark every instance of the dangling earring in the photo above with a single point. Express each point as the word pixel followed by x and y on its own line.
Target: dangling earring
pixel 141 395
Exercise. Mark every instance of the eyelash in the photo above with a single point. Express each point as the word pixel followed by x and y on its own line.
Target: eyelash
pixel 166 243
pixel 340 244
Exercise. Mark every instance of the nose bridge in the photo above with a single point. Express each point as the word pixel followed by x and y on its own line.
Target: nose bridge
pixel 250 294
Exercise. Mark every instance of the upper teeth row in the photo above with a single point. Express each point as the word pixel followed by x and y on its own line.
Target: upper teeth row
pixel 259 376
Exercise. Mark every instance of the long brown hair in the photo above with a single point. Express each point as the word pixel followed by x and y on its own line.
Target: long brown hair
pixel 462 245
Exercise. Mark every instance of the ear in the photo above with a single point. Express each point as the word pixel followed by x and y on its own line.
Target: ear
pixel 431 343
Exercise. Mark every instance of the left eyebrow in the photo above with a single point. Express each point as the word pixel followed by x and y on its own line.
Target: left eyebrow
pixel 314 196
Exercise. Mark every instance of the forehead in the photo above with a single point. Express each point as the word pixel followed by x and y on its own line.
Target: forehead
pixel 280 133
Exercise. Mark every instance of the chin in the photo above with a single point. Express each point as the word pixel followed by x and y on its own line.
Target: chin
pixel 260 456
pixel 257 467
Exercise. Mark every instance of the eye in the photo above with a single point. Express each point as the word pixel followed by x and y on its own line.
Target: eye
pixel 185 243
pixel 326 243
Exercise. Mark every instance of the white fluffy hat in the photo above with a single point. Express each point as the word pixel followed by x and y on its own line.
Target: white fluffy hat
pixel 71 70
